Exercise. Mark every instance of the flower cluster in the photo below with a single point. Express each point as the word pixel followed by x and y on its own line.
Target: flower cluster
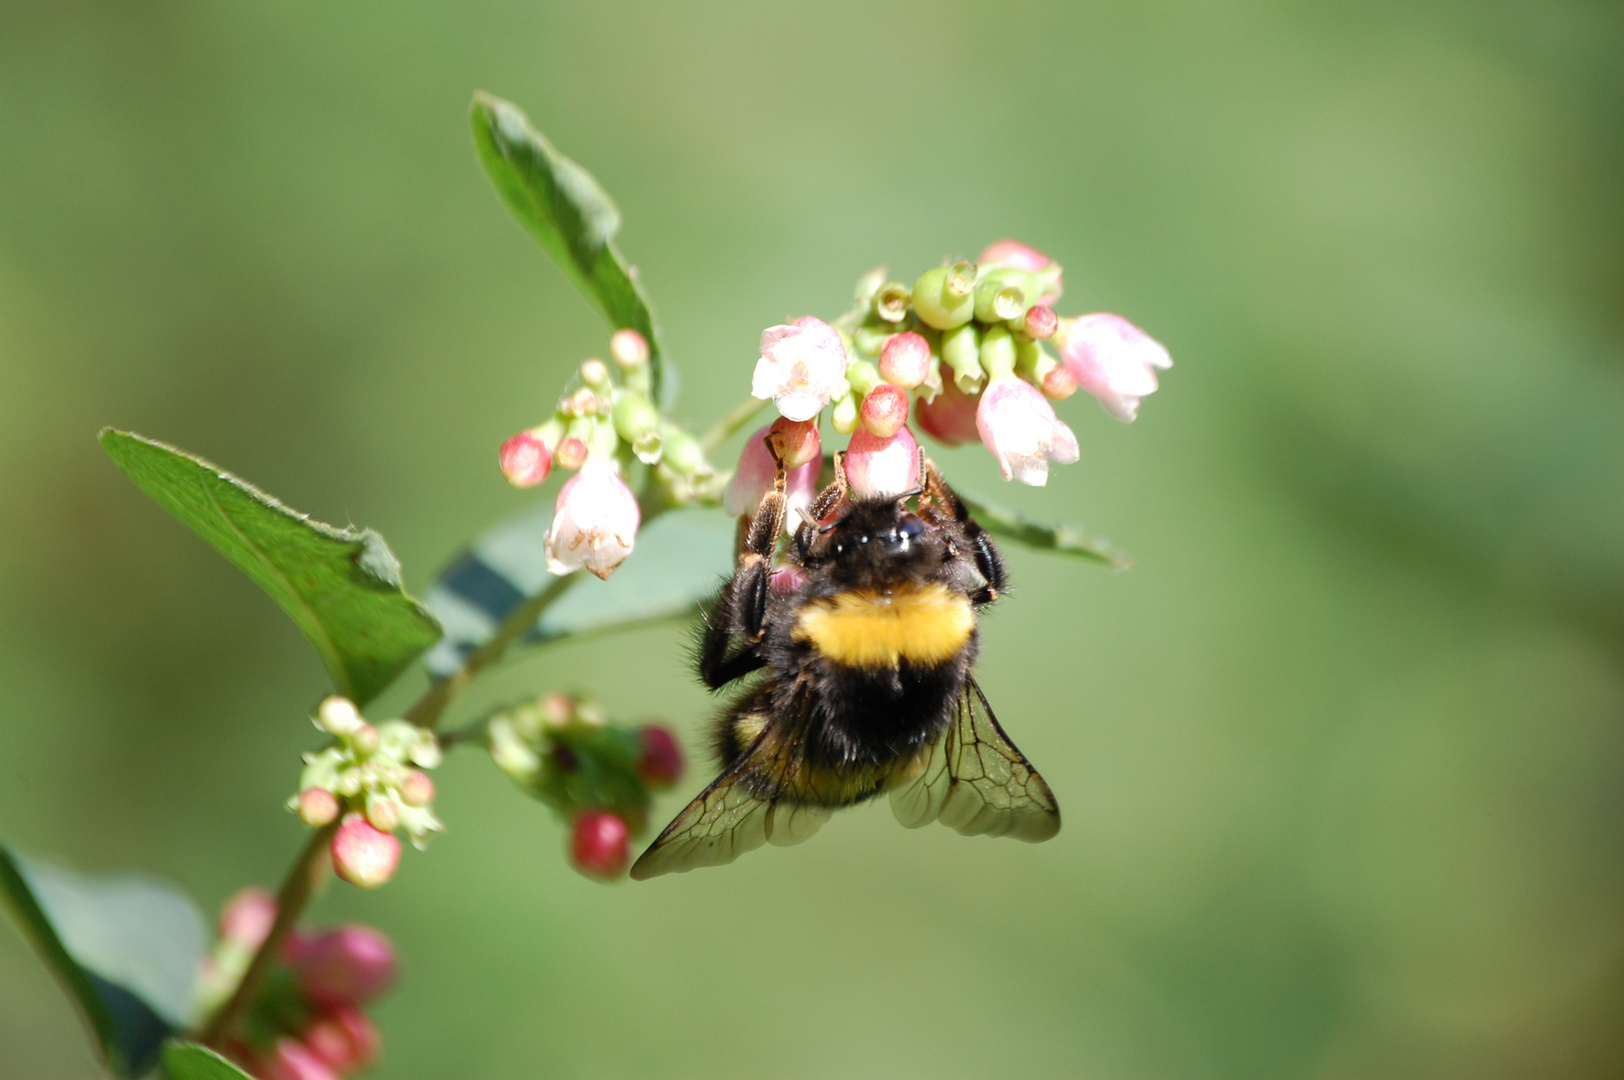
pixel 966 349
pixel 600 427
pixel 306 1020
pixel 596 775
pixel 373 778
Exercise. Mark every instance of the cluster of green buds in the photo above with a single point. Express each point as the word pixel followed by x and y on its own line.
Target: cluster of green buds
pixel 374 778
pixel 599 777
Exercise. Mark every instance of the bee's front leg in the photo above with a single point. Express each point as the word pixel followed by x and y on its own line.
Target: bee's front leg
pixel 741 609
pixel 989 560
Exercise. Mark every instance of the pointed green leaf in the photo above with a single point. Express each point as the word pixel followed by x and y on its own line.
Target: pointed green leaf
pixel 682 557
pixel 1060 539
pixel 189 1061
pixel 126 948
pixel 570 214
pixel 341 586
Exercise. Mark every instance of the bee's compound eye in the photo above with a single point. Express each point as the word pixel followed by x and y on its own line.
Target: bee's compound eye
pixel 909 529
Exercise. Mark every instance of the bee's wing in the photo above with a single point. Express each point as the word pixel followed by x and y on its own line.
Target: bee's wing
pixel 977 782
pixel 747 806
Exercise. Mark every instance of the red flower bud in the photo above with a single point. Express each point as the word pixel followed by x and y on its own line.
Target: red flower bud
pixel 317 806
pixel 796 441
pixel 1040 322
pixel 346 966
pixel 878 466
pixel 661 763
pixel 247 917
pixel 526 460
pixel 571 453
pixel 951 418
pixel 293 1060
pixel 600 846
pixel 417 789
pixel 1060 383
pixel 885 410
pixel 344 1038
pixel 363 856
pixel 905 360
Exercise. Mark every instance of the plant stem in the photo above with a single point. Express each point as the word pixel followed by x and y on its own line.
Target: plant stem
pixel 738 416
pixel 291 899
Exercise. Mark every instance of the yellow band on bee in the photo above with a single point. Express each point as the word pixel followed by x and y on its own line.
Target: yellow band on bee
pixel 927 625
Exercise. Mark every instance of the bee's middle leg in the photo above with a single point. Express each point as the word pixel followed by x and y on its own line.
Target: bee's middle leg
pixel 741 609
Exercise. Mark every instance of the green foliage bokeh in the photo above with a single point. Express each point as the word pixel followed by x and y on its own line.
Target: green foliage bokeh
pixel 1340 758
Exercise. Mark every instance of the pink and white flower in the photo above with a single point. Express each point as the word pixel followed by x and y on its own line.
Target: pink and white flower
pixel 755 475
pixel 949 418
pixel 594 523
pixel 1019 426
pixel 877 466
pixel 802 367
pixel 1112 359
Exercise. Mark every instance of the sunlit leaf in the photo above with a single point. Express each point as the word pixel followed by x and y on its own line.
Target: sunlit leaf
pixel 126 948
pixel 1029 532
pixel 682 557
pixel 570 214
pixel 341 586
pixel 189 1061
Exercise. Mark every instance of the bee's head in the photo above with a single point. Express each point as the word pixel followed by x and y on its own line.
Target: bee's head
pixel 870 543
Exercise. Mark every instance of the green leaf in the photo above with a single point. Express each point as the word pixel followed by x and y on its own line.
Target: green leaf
pixel 1060 539
pixel 570 214
pixel 341 586
pixel 681 558
pixel 189 1061
pixel 126 948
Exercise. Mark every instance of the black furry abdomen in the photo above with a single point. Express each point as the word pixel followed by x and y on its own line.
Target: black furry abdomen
pixel 875 716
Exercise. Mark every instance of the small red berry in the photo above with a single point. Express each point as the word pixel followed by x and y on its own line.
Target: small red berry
pixel 661 763
pixel 600 846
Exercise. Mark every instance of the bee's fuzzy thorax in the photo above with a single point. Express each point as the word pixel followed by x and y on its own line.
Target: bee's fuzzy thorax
pixel 920 624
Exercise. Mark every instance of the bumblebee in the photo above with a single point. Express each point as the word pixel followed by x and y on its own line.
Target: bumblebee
pixel 865 638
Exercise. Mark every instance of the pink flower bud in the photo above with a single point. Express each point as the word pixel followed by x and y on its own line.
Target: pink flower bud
pixel 1020 428
pixel 317 806
pixel 950 418
pixel 346 966
pixel 594 523
pixel 293 1060
pixel 247 917
pixel 557 709
pixel 1112 359
pixel 364 738
pixel 362 855
pixel 595 373
pixel 383 812
pixel 1014 254
pixel 417 789
pixel 797 441
pixel 1059 384
pixel 905 360
pixel 344 1039
pixel 884 410
pixel 877 466
pixel 802 367
pixel 600 846
pixel 628 348
pixel 571 454
pixel 1040 322
pixel 754 478
pixel 660 765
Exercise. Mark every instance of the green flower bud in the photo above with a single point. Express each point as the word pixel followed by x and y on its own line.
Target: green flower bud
pixel 937 301
pixel 844 417
pixel 595 373
pixel 603 443
pixel 997 352
pixel 648 447
pixel 511 752
pixel 338 715
pixel 862 376
pixel 1032 363
pixel 681 452
pixel 383 812
pixel 890 302
pixel 869 337
pixel 999 300
pixel 635 417
pixel 961 352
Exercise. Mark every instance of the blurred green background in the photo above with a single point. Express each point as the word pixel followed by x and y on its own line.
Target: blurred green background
pixel 1341 757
